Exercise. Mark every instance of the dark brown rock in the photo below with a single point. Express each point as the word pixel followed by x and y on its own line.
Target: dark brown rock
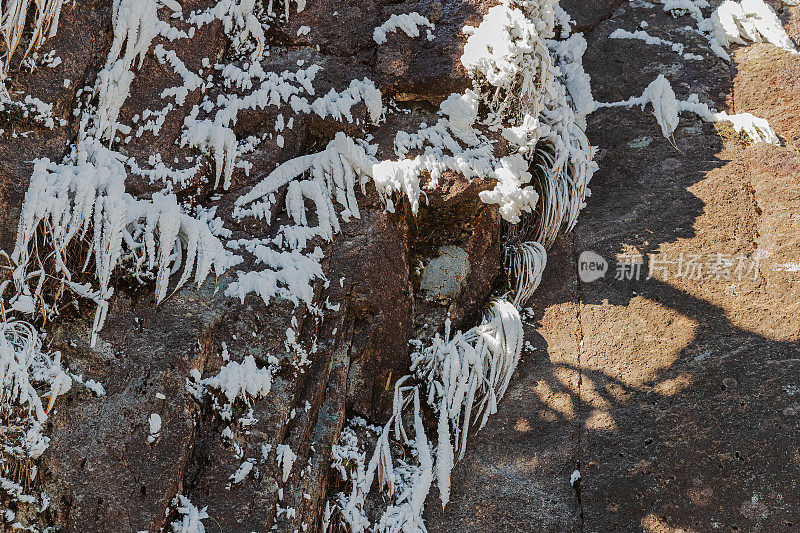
pixel 101 471
pixel 676 399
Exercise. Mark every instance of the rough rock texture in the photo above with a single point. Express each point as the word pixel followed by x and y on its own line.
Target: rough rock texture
pixel 676 398
pixel 101 471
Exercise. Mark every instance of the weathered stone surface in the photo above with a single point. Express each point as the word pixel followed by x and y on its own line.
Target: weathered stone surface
pixel 515 474
pixel 679 403
pixel 101 471
pixel 587 15
pixel 455 217
pixel 767 84
pixel 676 399
pixel 428 69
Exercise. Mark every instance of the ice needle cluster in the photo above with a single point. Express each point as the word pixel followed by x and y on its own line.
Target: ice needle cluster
pixel 537 95
pixel 25 369
pixel 14 22
pixel 80 228
pixel 82 203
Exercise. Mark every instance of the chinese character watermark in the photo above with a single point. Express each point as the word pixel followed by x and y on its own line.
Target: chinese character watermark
pixel 629 267
pixel 632 267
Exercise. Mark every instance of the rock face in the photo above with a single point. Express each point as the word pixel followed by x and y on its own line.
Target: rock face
pixel 676 399
pixel 101 471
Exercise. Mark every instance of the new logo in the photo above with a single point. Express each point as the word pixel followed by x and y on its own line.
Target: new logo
pixel 591 266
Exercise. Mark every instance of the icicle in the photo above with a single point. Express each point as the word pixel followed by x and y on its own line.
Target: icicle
pixel 88 195
pixel 525 264
pixel 13 16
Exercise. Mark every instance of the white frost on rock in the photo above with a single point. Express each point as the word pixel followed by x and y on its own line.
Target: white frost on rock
pixel 329 180
pixel 216 135
pixel 135 25
pixel 666 108
pixel 219 140
pixel 757 129
pixel 191 81
pixel 463 379
pixel 24 371
pixel 537 95
pixel 642 35
pixel 289 275
pixel 749 21
pixel 163 173
pixel 405 514
pixel 14 22
pixel 172 5
pixel 508 51
pixel 239 22
pixel 512 193
pixel 338 105
pixel 42 111
pixel 679 8
pixel 87 193
pixel 408 22
pixel 23 363
pixel 467 374
pixel 31 109
pixel 285 458
pixel 191 520
pixel 665 105
pixel 348 459
pixel 243 381
pixel 241 473
pixel 94 386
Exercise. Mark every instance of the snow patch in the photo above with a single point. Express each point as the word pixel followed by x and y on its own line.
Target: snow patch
pixel 749 21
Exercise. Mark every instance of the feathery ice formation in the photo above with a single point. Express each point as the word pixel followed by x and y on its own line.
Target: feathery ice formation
pixel 537 95
pixel 80 227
